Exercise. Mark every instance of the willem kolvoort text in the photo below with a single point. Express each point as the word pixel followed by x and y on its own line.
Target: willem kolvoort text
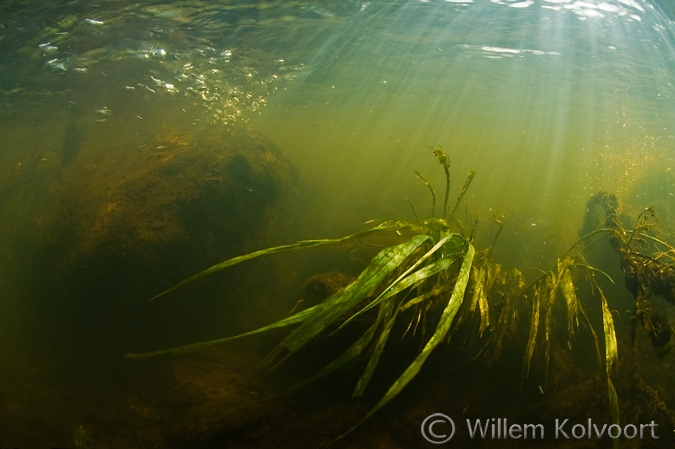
pixel 499 428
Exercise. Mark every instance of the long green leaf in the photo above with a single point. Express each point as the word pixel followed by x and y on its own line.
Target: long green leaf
pixel 534 328
pixel 332 308
pixel 431 189
pixel 412 268
pixel 377 353
pixel 491 274
pixel 569 293
pixel 354 350
pixel 302 244
pixel 293 319
pixel 467 183
pixel 611 349
pixel 483 304
pixel 595 270
pixel 613 406
pixel 479 283
pixel 547 332
pixel 408 281
pixel 441 331
pixel 477 274
pixel 418 299
pixel 611 358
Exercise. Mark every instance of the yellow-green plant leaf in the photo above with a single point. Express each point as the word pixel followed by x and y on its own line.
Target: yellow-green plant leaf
pixel 404 275
pixel 480 299
pixel 377 353
pixel 384 314
pixel 569 293
pixel 613 406
pixel 438 336
pixel 478 274
pixel 534 328
pixel 418 299
pixel 611 358
pixel 479 279
pixel 467 183
pixel 350 296
pixel 303 244
pixel 410 280
pixel 293 319
pixel 611 349
pixel 484 311
pixel 431 189
pixel 547 331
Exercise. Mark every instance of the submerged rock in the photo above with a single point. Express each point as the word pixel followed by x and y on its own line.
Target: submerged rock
pixel 121 222
pixel 211 402
pixel 320 286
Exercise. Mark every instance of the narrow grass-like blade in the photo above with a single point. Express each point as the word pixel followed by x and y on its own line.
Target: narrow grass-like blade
pixel 412 268
pixel 491 273
pixel 611 359
pixel 418 299
pixel 479 283
pixel 595 270
pixel 534 328
pixel 445 162
pixel 431 189
pixel 611 349
pixel 409 280
pixel 293 319
pixel 354 350
pixel 478 276
pixel 660 242
pixel 569 293
pixel 484 308
pixel 438 336
pixel 350 296
pixel 613 406
pixel 594 334
pixel 303 244
pixel 377 353
pixel 467 183
pixel 547 332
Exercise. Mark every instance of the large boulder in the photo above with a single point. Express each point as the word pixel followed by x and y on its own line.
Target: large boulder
pixel 100 233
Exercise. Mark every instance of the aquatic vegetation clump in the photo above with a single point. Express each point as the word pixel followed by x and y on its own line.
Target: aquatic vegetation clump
pixel 647 263
pixel 436 275
pixel 81 439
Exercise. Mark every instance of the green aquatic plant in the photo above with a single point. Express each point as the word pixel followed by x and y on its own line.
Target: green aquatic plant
pixel 437 273
pixel 435 262
pixel 433 193
pixel 81 439
pixel 556 285
pixel 444 160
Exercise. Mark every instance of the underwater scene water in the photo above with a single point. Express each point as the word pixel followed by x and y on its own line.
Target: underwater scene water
pixel 451 221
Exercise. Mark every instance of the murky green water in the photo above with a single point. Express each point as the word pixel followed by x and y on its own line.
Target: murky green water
pixel 548 101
